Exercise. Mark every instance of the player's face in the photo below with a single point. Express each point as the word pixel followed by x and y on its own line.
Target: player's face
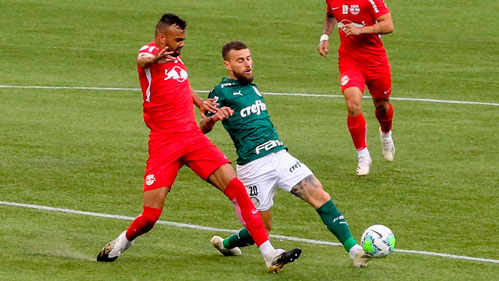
pixel 239 65
pixel 174 38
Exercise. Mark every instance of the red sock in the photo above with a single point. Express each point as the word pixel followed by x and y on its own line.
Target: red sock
pixel 143 223
pixel 357 127
pixel 385 119
pixel 246 211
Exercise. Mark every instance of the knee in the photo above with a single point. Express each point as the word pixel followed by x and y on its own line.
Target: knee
pixel 354 108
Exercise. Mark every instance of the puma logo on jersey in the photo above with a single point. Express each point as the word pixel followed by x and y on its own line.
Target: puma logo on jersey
pixel 176 73
pixel 255 108
pixel 237 93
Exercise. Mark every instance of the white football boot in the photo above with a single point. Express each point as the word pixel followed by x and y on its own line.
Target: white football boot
pixel 218 243
pixel 359 257
pixel 115 248
pixel 281 258
pixel 364 164
pixel 387 145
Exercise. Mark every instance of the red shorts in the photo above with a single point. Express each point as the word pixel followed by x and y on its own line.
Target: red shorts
pixel 378 82
pixel 168 154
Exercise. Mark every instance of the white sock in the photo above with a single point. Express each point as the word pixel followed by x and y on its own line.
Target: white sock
pixel 354 250
pixel 386 135
pixel 267 250
pixel 363 152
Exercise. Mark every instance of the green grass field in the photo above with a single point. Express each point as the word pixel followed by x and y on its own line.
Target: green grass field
pixel 85 150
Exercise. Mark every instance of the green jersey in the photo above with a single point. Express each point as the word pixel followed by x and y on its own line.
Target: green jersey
pixel 250 128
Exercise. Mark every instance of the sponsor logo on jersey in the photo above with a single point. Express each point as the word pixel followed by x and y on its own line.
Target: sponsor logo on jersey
pixel 176 73
pixel 150 179
pixel 296 166
pixel 268 145
pixel 237 93
pixel 354 9
pixel 255 108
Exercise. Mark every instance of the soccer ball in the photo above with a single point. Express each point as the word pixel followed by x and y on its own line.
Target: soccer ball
pixel 378 241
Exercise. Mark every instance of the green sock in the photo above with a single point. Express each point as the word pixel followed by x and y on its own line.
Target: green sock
pixel 336 223
pixel 240 239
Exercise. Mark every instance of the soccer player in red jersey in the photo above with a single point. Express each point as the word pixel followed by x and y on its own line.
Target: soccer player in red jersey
pixel 362 61
pixel 176 140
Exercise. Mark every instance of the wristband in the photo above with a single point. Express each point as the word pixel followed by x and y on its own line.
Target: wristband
pixel 324 37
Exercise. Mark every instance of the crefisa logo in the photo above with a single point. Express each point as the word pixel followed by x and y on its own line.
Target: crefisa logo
pixel 150 179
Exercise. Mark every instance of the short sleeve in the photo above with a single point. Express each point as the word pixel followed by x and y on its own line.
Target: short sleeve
pixel 379 8
pixel 329 10
pixel 149 49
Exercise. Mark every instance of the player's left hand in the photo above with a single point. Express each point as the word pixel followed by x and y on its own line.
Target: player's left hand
pixel 349 29
pixel 223 113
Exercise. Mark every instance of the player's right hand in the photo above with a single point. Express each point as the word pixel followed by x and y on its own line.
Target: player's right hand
pixel 164 56
pixel 323 48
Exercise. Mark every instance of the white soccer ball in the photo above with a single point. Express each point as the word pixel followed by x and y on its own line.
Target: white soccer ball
pixel 378 241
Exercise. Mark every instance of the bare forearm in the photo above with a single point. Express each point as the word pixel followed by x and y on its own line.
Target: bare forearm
pixel 378 28
pixel 329 23
pixel 198 101
pixel 206 124
pixel 144 60
pixel 383 26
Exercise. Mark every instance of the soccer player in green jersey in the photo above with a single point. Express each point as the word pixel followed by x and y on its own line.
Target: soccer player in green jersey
pixel 263 163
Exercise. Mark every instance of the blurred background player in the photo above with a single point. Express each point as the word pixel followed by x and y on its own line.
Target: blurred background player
pixel 176 140
pixel 362 61
pixel 263 163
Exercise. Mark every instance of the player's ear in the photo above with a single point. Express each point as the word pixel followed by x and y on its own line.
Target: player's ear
pixel 227 65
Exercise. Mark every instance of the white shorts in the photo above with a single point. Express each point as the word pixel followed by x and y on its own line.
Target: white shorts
pixel 263 176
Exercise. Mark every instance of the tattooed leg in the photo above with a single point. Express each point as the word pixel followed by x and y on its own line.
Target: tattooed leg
pixel 310 190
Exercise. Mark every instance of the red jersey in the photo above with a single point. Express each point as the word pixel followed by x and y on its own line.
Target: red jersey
pixel 366 50
pixel 168 103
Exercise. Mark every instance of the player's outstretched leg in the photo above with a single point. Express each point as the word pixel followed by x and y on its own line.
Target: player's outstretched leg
pixel 217 242
pixel 115 248
pixel 251 219
pixel 337 224
pixel 142 224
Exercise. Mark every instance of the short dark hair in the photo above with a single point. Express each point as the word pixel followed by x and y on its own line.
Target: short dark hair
pixel 169 19
pixel 232 45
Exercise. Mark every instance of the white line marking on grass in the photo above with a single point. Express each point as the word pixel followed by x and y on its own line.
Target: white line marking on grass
pixel 266 93
pixel 199 227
